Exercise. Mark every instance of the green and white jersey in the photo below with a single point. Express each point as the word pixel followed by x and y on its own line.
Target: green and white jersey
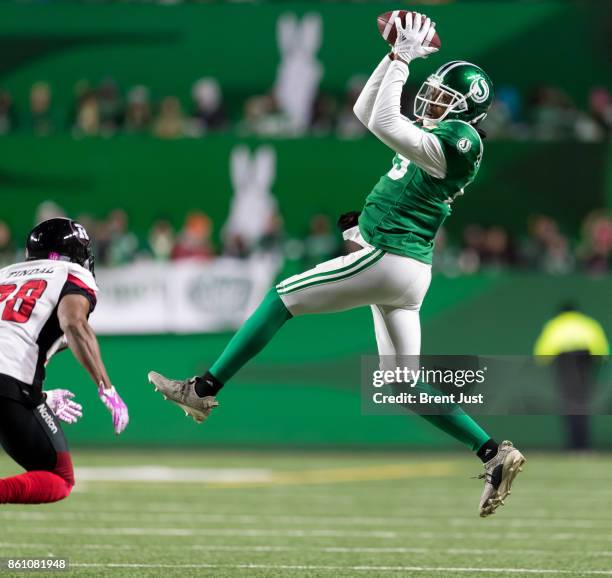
pixel 407 206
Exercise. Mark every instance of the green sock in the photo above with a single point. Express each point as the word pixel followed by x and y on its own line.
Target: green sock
pixel 455 422
pixel 271 315
pixel 462 427
pixel 252 337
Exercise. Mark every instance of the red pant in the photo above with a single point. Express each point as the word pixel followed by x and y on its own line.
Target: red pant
pixel 32 436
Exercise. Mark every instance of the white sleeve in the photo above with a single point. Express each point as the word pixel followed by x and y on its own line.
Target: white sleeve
pixel 364 104
pixel 397 132
pixel 82 278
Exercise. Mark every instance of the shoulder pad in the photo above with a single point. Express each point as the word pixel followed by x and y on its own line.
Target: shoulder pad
pixel 462 147
pixel 460 134
pixel 81 277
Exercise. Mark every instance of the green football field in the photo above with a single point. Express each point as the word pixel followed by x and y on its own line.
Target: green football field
pixel 205 513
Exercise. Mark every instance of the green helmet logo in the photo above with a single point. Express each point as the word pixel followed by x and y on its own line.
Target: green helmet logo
pixel 463 145
pixel 457 90
pixel 479 89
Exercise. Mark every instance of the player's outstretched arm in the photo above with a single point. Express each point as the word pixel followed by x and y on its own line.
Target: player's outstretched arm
pixel 397 132
pixel 387 121
pixel 72 313
pixel 365 102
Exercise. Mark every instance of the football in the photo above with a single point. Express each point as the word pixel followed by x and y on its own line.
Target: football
pixel 386 27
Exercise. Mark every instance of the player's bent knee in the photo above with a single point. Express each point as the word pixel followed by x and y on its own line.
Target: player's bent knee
pixel 67 490
pixel 64 470
pixel 62 491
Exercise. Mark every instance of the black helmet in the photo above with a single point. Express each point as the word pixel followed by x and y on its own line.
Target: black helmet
pixel 60 240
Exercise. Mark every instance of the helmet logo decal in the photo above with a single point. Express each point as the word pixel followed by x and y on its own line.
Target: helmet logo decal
pixel 81 232
pixel 479 89
pixel 463 145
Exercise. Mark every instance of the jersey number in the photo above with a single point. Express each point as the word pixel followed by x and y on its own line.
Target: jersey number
pixel 19 308
pixel 399 169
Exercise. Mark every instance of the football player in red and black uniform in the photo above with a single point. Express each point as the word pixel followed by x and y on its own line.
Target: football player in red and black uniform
pixel 45 303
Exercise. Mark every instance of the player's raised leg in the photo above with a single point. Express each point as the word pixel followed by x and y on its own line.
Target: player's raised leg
pixel 196 396
pixel 398 336
pixel 353 280
pixel 32 436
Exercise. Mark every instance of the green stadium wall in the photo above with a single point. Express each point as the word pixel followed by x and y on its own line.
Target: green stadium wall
pixel 152 178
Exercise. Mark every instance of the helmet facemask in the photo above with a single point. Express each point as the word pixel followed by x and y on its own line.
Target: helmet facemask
pixel 85 258
pixel 90 262
pixel 434 95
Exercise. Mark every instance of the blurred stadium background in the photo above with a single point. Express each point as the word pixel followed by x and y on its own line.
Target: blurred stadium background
pixel 209 148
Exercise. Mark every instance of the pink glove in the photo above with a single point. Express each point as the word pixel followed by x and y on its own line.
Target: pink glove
pixel 59 403
pixel 110 398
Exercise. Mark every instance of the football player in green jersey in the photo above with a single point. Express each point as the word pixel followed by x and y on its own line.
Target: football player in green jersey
pixel 436 158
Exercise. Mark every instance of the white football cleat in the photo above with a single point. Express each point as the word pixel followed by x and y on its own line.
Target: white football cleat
pixel 183 394
pixel 499 474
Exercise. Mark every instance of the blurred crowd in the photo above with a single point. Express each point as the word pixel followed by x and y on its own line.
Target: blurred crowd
pixel 548 113
pixel 544 247
pixel 103 110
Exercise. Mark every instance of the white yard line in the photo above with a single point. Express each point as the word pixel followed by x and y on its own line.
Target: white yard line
pixel 451 569
pixel 291 533
pixel 119 504
pixel 322 549
pixel 313 533
pixel 408 521
pixel 238 477
pixel 39 546
pixel 163 474
pixel 128 509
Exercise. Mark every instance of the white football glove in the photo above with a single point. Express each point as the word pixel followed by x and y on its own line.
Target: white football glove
pixel 60 404
pixel 412 39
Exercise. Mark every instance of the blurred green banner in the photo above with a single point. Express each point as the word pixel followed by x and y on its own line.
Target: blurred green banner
pixel 313 175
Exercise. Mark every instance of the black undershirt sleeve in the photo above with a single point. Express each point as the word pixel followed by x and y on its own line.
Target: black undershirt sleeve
pixel 71 288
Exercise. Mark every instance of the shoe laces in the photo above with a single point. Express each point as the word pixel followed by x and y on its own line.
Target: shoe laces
pixel 484 476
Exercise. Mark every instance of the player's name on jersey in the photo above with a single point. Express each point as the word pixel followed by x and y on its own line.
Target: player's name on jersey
pixel 31 271
pixel 423 398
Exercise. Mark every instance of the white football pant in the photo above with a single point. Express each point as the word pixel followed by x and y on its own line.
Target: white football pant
pixel 393 285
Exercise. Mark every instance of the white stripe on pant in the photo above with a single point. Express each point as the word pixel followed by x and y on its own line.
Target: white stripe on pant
pixel 393 285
